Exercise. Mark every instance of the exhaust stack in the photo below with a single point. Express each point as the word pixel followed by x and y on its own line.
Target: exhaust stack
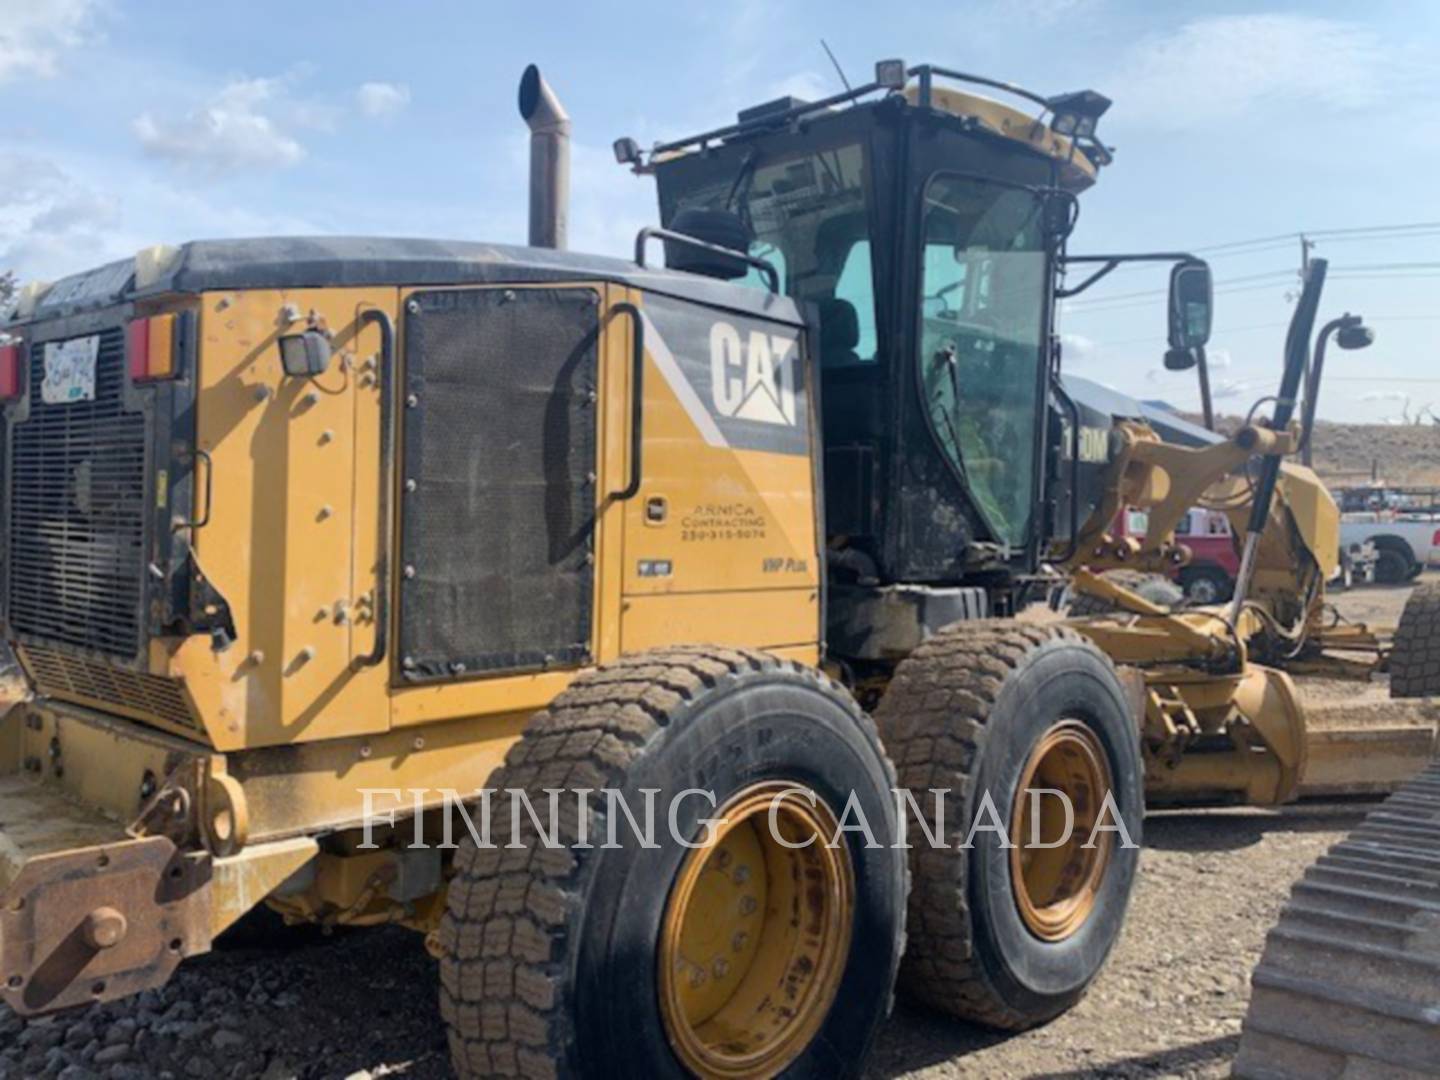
pixel 549 160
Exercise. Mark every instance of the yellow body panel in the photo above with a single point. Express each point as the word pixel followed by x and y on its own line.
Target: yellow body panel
pixel 291 543
pixel 763 619
pixel 291 539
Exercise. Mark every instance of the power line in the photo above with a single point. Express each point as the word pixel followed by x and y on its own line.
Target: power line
pixel 1231 330
pixel 1244 283
pixel 1260 244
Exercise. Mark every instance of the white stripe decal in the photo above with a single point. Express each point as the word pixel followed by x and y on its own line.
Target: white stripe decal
pixel 680 385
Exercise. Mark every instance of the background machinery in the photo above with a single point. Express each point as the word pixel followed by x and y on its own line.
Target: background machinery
pixel 306 535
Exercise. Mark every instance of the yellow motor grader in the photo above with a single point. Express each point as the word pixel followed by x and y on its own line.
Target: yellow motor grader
pixel 540 601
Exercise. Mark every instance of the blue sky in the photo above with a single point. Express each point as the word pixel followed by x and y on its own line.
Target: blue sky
pixel 124 124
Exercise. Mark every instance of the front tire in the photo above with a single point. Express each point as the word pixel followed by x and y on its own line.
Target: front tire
pixel 977 709
pixel 578 961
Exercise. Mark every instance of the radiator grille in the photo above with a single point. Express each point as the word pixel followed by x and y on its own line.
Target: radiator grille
pixel 77 514
pixel 61 675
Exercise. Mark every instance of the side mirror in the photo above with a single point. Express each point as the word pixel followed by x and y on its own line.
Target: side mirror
pixel 1358 336
pixel 304 355
pixel 1191 300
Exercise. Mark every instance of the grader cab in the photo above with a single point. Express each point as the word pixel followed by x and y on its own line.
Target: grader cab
pixel 312 546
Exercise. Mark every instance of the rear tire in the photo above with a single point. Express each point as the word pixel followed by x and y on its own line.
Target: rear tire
pixel 1206 585
pixel 551 957
pixel 965 713
pixel 1415 655
pixel 1394 566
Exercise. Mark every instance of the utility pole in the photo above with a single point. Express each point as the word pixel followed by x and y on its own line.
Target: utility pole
pixel 1306 244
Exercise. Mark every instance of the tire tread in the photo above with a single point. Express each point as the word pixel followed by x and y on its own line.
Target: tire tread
pixel 512 912
pixel 934 720
pixel 1415 655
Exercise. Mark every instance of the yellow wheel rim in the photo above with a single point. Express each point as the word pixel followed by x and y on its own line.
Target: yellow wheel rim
pixel 1056 887
pixel 756 935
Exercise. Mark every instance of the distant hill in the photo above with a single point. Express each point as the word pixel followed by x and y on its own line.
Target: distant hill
pixel 1345 454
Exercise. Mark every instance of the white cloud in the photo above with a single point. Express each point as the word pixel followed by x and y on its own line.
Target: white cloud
pixel 1224 67
pixel 50 223
pixel 382 100
pixel 34 34
pixel 233 131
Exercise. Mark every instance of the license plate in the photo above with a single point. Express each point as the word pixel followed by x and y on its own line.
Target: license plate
pixel 70 370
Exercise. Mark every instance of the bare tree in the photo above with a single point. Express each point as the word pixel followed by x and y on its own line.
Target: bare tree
pixel 8 286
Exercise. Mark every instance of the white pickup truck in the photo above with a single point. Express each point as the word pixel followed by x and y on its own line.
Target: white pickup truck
pixel 1404 543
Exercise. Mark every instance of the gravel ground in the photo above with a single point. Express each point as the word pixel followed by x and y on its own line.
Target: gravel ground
pixel 1170 1002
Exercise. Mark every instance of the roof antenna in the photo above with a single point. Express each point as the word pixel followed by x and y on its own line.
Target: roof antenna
pixel 838 69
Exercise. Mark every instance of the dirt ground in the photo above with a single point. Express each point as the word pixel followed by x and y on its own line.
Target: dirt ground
pixel 1169 1003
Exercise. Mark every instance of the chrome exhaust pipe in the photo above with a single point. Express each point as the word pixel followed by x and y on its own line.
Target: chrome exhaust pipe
pixel 549 160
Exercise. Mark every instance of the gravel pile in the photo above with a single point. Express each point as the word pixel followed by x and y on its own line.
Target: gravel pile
pixel 285 1004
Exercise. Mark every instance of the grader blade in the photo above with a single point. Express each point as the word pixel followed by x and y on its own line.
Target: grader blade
pixel 1360 741
pixel 1347 983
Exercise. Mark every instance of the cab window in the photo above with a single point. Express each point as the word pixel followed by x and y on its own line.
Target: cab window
pixel 808 214
pixel 983 295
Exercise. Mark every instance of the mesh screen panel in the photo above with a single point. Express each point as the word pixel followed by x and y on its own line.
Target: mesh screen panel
pixel 77 513
pixel 499 457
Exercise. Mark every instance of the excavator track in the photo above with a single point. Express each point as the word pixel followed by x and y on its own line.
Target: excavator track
pixel 1349 983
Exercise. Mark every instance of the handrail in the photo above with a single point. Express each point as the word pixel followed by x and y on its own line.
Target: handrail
pixel 1069 403
pixel 386 379
pixel 204 519
pixel 637 401
pixel 650 232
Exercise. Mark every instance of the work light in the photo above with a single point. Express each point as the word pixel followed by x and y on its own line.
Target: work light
pixel 1077 113
pixel 304 355
pixel 890 74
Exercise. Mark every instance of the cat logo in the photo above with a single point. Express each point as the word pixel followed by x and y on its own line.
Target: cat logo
pixel 754 379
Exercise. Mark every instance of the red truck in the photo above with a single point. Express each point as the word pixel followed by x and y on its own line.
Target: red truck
pixel 1209 577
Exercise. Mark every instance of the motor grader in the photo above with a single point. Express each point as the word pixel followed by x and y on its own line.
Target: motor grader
pixel 313 545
